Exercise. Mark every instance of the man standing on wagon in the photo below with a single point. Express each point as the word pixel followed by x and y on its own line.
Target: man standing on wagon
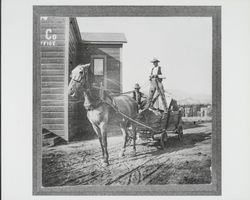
pixel 156 78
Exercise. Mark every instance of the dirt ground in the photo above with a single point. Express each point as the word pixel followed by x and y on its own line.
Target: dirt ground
pixel 182 162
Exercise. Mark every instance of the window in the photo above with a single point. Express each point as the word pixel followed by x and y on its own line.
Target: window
pixel 98 66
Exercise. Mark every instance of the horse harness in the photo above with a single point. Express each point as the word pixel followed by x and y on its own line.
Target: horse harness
pixel 112 104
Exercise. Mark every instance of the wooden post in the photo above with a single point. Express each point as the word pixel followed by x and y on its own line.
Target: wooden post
pixel 66 76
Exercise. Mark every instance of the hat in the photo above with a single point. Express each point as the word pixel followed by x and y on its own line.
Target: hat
pixel 137 86
pixel 155 60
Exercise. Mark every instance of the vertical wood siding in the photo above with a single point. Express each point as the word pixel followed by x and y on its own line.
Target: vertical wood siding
pixel 52 43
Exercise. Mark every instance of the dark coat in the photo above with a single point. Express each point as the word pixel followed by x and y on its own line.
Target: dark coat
pixel 140 95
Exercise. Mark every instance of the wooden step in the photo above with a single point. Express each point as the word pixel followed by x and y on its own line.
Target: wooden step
pixel 53 141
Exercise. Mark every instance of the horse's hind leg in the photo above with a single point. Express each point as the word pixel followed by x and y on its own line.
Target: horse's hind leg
pixel 134 139
pixel 103 129
pixel 125 136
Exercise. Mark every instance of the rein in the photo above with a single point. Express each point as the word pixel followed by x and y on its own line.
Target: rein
pixel 113 92
pixel 131 119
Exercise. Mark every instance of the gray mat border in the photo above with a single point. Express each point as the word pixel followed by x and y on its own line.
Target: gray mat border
pixel 130 11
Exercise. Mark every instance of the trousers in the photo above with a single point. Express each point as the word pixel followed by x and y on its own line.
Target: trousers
pixel 156 85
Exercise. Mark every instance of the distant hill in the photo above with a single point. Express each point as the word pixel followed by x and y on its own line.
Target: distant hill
pixel 185 98
pixel 191 101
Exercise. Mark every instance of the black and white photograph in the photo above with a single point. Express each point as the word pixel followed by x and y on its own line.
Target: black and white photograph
pixel 125 99
pixel 128 100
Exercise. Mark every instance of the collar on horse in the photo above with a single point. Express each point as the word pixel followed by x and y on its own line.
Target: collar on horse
pixel 94 102
pixel 106 99
pixel 92 106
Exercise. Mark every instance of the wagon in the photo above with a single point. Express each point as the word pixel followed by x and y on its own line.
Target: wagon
pixel 158 124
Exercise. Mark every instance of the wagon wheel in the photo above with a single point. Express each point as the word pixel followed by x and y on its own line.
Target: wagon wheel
pixel 164 138
pixel 180 133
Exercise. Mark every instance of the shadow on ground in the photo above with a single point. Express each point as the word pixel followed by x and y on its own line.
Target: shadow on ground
pixel 174 144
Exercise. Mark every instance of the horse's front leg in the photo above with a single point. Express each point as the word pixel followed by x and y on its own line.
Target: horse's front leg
pixel 98 132
pixel 103 128
pixel 125 136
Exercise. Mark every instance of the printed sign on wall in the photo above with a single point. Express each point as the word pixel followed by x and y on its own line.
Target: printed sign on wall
pixel 50 37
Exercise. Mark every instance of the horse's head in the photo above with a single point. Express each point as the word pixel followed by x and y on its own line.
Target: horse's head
pixel 78 79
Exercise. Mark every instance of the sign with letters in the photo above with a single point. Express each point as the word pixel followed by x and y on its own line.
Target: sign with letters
pixel 50 37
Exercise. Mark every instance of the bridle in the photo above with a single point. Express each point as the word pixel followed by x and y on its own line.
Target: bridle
pixel 85 91
pixel 80 81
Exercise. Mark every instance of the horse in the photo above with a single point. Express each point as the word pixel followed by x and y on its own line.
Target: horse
pixel 102 111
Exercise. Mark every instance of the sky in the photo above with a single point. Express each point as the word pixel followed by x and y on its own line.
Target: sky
pixel 182 44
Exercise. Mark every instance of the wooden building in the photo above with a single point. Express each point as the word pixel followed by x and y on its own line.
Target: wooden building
pixel 62 47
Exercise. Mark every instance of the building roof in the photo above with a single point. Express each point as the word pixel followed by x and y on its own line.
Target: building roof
pixel 103 38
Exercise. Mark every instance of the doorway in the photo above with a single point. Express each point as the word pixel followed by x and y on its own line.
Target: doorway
pixel 98 68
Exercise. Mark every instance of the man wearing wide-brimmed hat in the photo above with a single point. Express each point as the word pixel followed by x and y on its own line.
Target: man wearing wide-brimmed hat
pixel 137 95
pixel 156 78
